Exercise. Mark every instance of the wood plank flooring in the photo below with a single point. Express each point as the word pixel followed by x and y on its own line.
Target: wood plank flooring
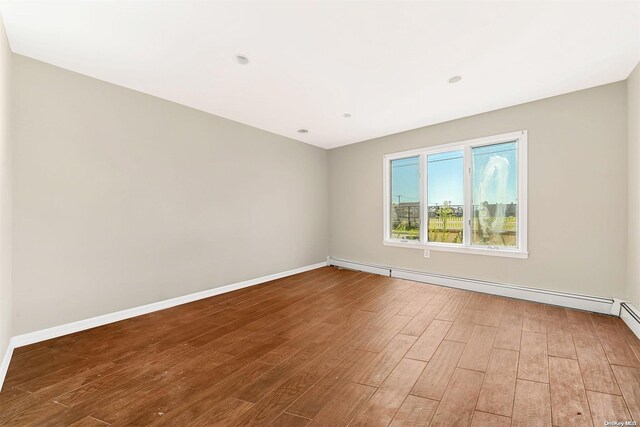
pixel 334 347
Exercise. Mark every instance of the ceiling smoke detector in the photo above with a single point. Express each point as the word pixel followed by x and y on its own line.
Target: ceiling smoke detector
pixel 241 59
pixel 455 79
pixel 303 131
pixel 346 115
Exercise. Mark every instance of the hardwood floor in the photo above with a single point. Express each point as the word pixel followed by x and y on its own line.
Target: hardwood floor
pixel 334 347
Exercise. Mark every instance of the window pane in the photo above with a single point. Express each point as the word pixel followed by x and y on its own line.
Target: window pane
pixel 445 183
pixel 405 198
pixel 495 195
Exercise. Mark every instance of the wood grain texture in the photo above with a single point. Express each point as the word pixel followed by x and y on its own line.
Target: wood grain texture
pixel 560 344
pixel 415 411
pixel 498 388
pixel 509 332
pixel 607 407
pixel 383 405
pixel 462 327
pixel 344 406
pixel 459 400
pixel 629 381
pixel 532 404
pixel 615 345
pixel 435 377
pixel 375 372
pixel 478 350
pixel 421 321
pixel 429 341
pixel 311 403
pixel 533 364
pixel 453 307
pixel 333 347
pixel 568 397
pixel 287 420
pixel 594 366
pixel 222 414
pixel 483 419
pixel 89 422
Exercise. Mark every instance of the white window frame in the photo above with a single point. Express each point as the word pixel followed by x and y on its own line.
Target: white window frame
pixel 520 251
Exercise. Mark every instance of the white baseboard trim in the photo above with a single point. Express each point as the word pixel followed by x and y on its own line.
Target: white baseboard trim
pixel 81 325
pixel 564 299
pixel 631 316
pixel 367 268
pixel 6 359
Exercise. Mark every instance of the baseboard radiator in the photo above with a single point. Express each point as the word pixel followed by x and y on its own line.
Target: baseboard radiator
pixel 612 306
pixel 631 317
pixel 581 302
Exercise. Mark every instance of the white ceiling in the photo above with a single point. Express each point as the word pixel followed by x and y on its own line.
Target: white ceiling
pixel 386 63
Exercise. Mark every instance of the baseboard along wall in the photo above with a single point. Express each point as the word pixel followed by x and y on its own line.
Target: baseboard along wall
pixel 81 325
pixel 631 316
pixel 596 304
pixel 612 306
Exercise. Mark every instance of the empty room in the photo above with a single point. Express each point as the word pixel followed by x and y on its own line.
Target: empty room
pixel 319 213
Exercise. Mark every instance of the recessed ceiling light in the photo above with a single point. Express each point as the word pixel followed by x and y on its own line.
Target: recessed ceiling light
pixel 241 59
pixel 455 79
pixel 303 131
pixel 346 115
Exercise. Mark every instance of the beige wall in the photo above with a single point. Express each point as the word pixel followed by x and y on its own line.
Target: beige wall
pixel 577 195
pixel 123 199
pixel 633 125
pixel 5 194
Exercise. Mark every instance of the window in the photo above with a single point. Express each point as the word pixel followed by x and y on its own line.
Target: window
pixel 468 197
pixel 405 198
pixel 445 197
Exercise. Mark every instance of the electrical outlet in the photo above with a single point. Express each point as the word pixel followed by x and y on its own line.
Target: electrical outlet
pixel 427 254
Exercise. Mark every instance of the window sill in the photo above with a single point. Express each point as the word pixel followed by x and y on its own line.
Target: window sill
pixel 506 253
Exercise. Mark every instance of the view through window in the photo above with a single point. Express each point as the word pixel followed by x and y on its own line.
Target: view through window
pixel 405 195
pixel 445 207
pixel 457 196
pixel 495 195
